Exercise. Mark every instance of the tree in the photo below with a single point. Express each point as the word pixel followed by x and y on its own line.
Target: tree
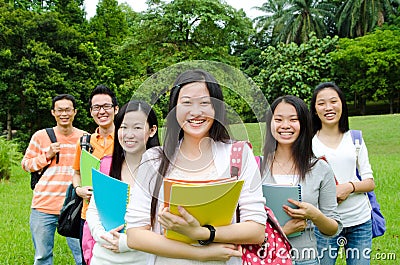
pixel 184 30
pixel 368 67
pixel 293 21
pixel 291 69
pixel 270 24
pixel 108 29
pixel 187 30
pixel 355 18
pixel 39 58
pixel 71 12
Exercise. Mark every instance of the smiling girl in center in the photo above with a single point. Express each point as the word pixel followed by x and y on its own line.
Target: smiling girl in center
pixel 197 146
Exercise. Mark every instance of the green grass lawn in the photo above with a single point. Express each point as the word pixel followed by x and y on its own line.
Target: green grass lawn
pixel 381 134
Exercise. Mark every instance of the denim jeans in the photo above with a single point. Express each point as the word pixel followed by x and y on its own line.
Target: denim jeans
pixel 43 227
pixel 307 262
pixel 356 241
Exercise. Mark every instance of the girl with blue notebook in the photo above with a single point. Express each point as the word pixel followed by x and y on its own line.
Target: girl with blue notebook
pixel 135 131
pixel 289 160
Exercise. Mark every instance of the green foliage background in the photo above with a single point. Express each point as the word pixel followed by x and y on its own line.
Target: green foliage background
pixel 49 47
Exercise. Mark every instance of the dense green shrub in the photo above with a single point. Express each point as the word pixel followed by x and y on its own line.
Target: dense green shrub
pixel 9 156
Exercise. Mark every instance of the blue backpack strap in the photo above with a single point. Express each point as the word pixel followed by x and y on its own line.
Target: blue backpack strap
pixel 356 136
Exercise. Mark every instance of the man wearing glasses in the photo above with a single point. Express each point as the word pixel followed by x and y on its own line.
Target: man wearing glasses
pixel 103 108
pixel 49 192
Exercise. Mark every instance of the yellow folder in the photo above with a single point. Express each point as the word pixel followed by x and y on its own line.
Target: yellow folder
pixel 212 203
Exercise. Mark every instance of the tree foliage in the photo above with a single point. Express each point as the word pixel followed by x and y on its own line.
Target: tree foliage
pixel 47 47
pixel 368 67
pixel 183 30
pixel 39 58
pixel 295 69
pixel 356 18
pixel 293 21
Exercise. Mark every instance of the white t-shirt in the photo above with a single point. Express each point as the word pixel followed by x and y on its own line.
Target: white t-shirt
pixel 355 209
pixel 101 255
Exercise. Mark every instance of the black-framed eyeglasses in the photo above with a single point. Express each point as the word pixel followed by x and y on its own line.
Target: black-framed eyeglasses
pixel 61 111
pixel 106 106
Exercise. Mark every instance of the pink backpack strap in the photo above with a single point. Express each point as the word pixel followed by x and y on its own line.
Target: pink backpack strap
pixel 236 158
pixel 259 161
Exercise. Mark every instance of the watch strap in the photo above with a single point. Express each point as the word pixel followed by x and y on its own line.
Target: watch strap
pixel 212 235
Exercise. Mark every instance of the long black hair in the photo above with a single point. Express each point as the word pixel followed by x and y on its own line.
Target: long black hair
pixel 118 155
pixel 174 133
pixel 344 119
pixel 302 148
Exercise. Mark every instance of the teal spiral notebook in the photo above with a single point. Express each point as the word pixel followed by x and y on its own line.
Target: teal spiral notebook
pixel 111 196
pixel 276 196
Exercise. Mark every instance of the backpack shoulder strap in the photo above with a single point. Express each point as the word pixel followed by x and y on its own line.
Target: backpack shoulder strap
pixel 236 158
pixel 50 132
pixel 236 165
pixel 259 160
pixel 356 136
pixel 85 143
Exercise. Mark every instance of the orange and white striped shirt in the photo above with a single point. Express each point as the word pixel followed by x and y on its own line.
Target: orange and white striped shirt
pixel 49 193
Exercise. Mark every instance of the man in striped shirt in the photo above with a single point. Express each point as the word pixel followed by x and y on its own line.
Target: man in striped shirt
pixel 49 192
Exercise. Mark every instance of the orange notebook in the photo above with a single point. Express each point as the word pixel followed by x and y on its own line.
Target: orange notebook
pixel 211 202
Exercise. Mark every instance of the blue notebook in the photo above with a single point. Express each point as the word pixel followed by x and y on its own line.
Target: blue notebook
pixel 276 196
pixel 112 197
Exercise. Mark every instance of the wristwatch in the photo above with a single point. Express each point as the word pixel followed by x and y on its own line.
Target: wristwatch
pixel 212 235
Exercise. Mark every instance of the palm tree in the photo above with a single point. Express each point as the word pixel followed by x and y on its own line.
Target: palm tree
pixel 270 24
pixel 293 21
pixel 304 17
pixel 357 17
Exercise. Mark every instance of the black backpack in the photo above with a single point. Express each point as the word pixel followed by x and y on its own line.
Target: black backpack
pixel 69 221
pixel 85 143
pixel 35 176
